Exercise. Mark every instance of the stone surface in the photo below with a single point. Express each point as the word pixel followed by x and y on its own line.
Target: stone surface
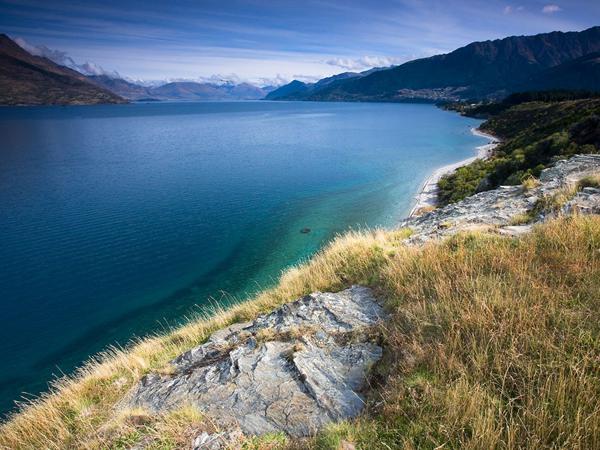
pixel 586 201
pixel 568 171
pixel 293 370
pixel 497 209
pixel 218 441
pixel 514 230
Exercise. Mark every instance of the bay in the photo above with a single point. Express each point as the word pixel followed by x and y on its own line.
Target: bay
pixel 122 220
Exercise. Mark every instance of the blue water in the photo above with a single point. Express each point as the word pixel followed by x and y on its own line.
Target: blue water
pixel 117 221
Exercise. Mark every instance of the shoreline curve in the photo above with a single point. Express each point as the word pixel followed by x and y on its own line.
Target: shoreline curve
pixel 427 195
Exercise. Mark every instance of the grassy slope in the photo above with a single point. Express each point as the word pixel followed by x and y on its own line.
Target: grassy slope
pixel 534 134
pixel 493 343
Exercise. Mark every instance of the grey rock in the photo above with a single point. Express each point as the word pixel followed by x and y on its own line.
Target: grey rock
pixel 515 230
pixel 293 370
pixel 496 209
pixel 487 209
pixel 218 441
pixel 586 201
pixel 207 442
pixel 568 171
pixel 532 200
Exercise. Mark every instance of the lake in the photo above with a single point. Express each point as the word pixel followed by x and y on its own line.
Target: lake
pixel 121 220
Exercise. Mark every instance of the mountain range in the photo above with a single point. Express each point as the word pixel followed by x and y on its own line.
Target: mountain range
pixel 480 70
pixel 298 90
pixel 181 90
pixel 26 79
pixel 581 73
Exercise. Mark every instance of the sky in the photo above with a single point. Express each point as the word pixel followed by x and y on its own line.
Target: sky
pixel 270 42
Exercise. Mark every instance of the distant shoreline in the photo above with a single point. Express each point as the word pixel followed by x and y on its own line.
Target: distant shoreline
pixel 427 196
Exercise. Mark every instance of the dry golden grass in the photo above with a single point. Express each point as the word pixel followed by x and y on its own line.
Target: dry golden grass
pixel 521 219
pixel 589 181
pixel 552 203
pixel 493 343
pixel 423 210
pixel 530 182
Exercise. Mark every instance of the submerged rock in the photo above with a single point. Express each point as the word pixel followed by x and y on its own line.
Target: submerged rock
pixel 293 370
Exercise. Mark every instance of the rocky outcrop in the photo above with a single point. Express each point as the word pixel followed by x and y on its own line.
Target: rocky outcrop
pixel 497 209
pixel 585 202
pixel 569 171
pixel 293 370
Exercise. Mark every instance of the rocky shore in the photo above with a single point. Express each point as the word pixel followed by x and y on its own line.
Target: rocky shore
pixel 427 196
pixel 501 209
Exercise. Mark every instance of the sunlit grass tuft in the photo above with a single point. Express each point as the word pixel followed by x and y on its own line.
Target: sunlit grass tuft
pixel 589 181
pixel 530 182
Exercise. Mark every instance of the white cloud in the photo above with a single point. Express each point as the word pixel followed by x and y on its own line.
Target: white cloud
pixel 90 68
pixel 363 63
pixel 41 50
pixel 551 9
pixel 221 79
pixel 509 9
pixel 63 59
pixel 277 80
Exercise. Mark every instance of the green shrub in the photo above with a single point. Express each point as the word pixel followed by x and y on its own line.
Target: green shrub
pixel 536 134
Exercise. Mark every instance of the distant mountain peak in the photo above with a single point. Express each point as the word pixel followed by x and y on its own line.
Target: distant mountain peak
pixel 182 90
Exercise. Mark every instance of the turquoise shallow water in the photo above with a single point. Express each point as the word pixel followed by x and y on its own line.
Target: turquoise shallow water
pixel 117 221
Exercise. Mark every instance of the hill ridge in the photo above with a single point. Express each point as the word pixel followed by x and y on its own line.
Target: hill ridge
pixel 27 79
pixel 479 70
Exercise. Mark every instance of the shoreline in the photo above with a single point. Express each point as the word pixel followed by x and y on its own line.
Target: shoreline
pixel 427 195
